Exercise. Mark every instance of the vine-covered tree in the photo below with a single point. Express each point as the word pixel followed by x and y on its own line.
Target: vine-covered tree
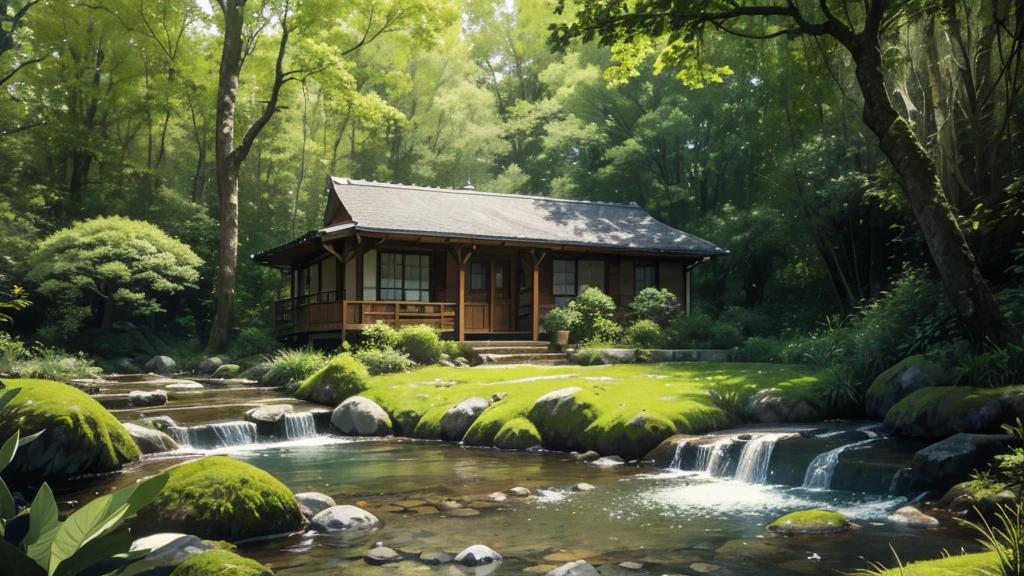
pixel 111 263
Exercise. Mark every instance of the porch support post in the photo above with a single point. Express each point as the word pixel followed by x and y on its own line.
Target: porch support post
pixel 688 272
pixel 360 248
pixel 536 259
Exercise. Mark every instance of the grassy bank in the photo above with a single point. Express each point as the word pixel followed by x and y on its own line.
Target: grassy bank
pixel 983 563
pixel 625 408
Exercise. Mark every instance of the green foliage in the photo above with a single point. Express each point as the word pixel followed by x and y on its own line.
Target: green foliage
pixel 989 368
pixel 216 562
pixel 594 311
pixel 293 365
pixel 702 332
pixel 761 350
pixel 384 360
pixel 124 262
pixel 421 342
pixel 12 351
pixel 342 377
pixel 658 306
pixel 379 335
pixel 733 399
pixel 559 318
pixel 220 498
pixel 12 300
pixel 39 361
pixel 839 388
pixel 1011 465
pixel 588 356
pixel 644 334
pixel 36 543
pixel 252 342
pixel 1005 540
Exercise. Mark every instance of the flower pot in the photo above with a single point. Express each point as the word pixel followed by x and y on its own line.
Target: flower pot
pixel 561 339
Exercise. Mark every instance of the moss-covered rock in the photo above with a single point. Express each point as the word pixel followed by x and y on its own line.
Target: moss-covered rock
pixel 664 454
pixel 518 434
pixel 257 372
pixel 810 522
pixel 341 378
pixel 907 376
pixel 219 563
pixel 226 371
pixel 938 412
pixel 976 497
pixel 80 436
pixel 627 437
pixel 220 498
pixel 563 416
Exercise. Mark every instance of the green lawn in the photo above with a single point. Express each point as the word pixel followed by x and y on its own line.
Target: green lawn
pixel 671 398
pixel 961 565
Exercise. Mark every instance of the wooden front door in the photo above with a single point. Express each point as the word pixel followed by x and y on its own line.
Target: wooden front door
pixel 488 295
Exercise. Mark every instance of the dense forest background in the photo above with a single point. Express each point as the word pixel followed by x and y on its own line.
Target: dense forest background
pixel 110 107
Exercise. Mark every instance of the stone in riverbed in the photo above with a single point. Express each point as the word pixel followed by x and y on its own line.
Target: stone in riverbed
pixel 361 416
pixel 345 518
pixel 226 371
pixel 950 461
pixel 583 487
pixel 607 461
pixel 704 568
pixel 161 423
pixel 810 522
pixel 477 555
pixel 913 518
pixel 519 491
pixel 163 365
pixel 145 399
pixel 382 555
pixel 942 411
pixel 768 406
pixel 497 497
pixel 907 376
pixel 269 420
pixel 631 565
pixel 167 550
pixel 588 456
pixel 150 441
pixel 457 420
pixel 577 568
pixel 209 365
pixel 183 386
pixel 314 502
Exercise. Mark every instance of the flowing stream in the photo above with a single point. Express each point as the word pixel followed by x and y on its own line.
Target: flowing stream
pixel 299 425
pixel 821 470
pixel 755 457
pixel 209 436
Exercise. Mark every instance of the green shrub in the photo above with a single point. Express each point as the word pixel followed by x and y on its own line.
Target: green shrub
pixel 595 312
pixel 644 334
pixel 253 342
pixel 761 350
pixel 12 351
pixel 988 368
pixel 341 378
pixel 702 332
pixel 733 399
pixel 293 365
pixel 379 335
pixel 421 342
pixel 40 361
pixel 384 361
pixel 588 356
pixel 658 306
pixel 559 319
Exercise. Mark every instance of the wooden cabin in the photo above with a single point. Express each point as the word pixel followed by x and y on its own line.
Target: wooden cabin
pixel 473 264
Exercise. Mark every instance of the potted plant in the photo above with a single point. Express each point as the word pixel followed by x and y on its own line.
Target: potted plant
pixel 557 323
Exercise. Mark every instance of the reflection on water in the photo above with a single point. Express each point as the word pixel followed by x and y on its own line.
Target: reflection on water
pixel 667 520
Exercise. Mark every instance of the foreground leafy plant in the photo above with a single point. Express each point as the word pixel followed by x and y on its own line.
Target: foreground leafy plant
pixel 93 540
pixel 1005 541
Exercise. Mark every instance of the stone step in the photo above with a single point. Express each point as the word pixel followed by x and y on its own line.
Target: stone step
pixel 512 349
pixel 541 358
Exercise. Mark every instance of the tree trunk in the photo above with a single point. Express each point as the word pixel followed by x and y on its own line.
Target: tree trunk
pixel 227 174
pixel 108 312
pixel 962 281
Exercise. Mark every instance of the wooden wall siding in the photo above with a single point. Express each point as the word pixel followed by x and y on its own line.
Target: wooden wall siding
pixel 672 276
pixel 370 275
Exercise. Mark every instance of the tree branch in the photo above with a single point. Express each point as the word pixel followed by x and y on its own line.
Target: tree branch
pixel 29 62
pixel 280 79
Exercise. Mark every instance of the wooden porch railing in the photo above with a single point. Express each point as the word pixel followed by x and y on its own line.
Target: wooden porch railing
pixel 295 316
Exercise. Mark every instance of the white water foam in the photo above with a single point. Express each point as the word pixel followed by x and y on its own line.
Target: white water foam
pixel 821 470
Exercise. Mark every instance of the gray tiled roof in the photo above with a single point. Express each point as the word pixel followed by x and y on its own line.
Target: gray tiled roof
pixel 395 208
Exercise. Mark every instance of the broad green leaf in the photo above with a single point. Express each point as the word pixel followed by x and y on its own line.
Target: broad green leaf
pixel 9 449
pixel 43 526
pixel 111 547
pixel 95 518
pixel 14 561
pixel 7 396
pixel 8 509
pixel 24 440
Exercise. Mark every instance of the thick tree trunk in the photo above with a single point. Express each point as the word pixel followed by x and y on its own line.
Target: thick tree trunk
pixel 227 174
pixel 108 313
pixel 962 281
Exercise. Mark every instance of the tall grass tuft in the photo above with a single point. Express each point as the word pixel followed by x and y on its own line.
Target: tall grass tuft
pixel 293 365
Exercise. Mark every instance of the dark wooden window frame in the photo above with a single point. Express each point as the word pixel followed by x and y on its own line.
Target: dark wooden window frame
pixel 656 281
pixel 402 290
pixel 485 267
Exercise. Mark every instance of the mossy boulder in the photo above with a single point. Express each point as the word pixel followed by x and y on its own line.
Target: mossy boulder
pixel 950 461
pixel 219 563
pixel 907 376
pixel 938 412
pixel 226 371
pixel 563 416
pixel 80 436
pixel 629 437
pixel 518 434
pixel 257 372
pixel 342 378
pixel 976 496
pixel 810 522
pixel 220 498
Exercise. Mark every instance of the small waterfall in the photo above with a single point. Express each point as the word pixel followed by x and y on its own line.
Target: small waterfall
pixel 209 436
pixel 753 464
pixel 823 467
pixel 301 425
pixel 713 459
pixel 900 480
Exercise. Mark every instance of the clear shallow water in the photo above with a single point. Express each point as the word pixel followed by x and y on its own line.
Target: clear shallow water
pixel 666 520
